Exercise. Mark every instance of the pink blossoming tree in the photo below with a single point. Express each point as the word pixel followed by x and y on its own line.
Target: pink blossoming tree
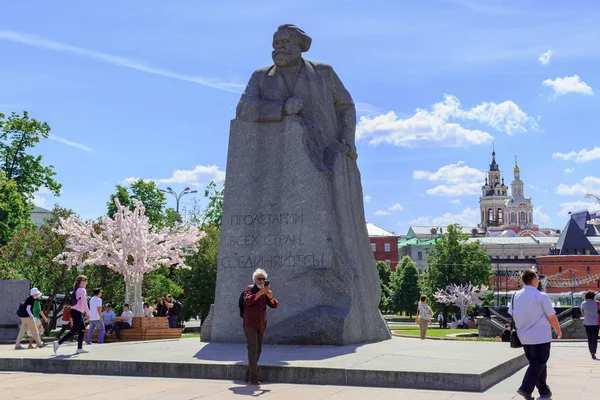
pixel 462 296
pixel 129 245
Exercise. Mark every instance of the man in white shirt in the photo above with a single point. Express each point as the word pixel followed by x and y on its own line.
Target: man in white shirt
pixel 441 320
pixel 96 320
pixel 122 322
pixel 534 317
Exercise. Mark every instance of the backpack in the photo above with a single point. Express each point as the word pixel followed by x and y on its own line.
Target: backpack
pixel 241 303
pixel 22 310
pixel 72 300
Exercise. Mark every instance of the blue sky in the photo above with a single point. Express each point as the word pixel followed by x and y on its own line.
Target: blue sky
pixel 147 89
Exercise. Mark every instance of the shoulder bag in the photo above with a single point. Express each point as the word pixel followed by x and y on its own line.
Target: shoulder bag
pixel 515 342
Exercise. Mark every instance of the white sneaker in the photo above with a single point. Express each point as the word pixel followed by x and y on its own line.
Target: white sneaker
pixel 81 351
pixel 56 346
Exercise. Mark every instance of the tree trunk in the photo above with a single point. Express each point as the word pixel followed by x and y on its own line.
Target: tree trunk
pixel 133 296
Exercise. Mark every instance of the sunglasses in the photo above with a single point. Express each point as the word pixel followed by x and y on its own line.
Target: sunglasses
pixel 261 279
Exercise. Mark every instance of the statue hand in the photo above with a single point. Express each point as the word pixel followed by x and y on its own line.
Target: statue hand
pixel 293 105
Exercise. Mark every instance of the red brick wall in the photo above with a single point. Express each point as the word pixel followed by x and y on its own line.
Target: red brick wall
pixel 380 253
pixel 551 265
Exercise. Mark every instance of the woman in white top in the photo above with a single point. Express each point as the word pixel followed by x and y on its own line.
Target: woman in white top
pixel 148 310
pixel 425 314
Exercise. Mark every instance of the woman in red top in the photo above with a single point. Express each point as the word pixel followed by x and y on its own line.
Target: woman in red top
pixel 256 299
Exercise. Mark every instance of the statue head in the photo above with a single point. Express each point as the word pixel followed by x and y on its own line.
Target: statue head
pixel 289 42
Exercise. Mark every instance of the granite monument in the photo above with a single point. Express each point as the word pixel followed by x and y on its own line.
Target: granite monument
pixel 293 206
pixel 12 293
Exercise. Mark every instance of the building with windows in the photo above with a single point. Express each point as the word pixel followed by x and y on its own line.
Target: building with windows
pixel 503 214
pixel 384 245
pixel 39 215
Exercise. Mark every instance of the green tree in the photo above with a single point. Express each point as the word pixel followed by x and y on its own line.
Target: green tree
pixel 199 282
pixel 453 260
pixel 14 210
pixel 384 280
pixel 18 134
pixel 213 214
pixel 404 286
pixel 153 199
pixel 30 255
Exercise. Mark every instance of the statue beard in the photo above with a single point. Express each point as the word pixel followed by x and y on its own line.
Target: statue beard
pixel 283 58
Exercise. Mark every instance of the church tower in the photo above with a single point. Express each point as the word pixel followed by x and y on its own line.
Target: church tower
pixel 494 195
pixel 517 185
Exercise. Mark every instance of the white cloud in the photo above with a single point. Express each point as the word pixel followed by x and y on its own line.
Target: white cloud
pixel 539 216
pixel 533 186
pixel 459 180
pixel 467 217
pixel 39 200
pixel 456 201
pixel 574 206
pixel 568 84
pixel 581 156
pixel 569 170
pixel 47 44
pixel 366 108
pixel 589 184
pixel 545 58
pixel 380 213
pixel 367 198
pixel 435 127
pixel 70 143
pixel 201 175
pixel 396 207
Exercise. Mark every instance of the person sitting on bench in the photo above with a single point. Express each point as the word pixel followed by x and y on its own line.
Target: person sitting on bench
pixel 122 322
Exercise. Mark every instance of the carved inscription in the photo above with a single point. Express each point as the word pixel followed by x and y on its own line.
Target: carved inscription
pixel 281 250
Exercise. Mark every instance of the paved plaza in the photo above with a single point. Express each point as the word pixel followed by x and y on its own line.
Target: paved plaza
pixel 572 375
pixel 395 363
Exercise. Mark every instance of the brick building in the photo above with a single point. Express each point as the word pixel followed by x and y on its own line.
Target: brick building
pixel 384 245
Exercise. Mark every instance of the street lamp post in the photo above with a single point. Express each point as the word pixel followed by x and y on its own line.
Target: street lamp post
pixel 178 197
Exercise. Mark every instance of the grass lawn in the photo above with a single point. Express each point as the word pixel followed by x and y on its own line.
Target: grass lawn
pixel 432 332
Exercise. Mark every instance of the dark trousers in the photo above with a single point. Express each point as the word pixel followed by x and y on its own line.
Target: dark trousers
pixel 117 328
pixel 538 355
pixel 77 328
pixel 254 339
pixel 592 335
pixel 172 321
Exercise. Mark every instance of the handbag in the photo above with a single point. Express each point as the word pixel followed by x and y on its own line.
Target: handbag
pixel 515 342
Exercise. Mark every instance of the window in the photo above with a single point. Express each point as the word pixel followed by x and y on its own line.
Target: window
pixel 527 257
pixel 516 257
pixel 588 270
pixel 420 255
pixel 500 215
pixel 387 247
pixel 373 247
pixel 513 218
pixel 490 215
pixel 560 270
pixel 388 262
pixel 522 220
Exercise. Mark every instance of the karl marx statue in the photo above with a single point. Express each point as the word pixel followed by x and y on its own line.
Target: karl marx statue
pixel 313 91
pixel 293 206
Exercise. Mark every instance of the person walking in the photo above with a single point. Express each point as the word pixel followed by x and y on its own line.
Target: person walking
pixel 256 298
pixel 96 320
pixel 441 320
pixel 534 318
pixel 590 309
pixel 28 323
pixel 424 314
pixel 77 312
pixel 37 313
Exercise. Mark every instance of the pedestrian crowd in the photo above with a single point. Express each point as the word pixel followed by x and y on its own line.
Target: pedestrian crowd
pixel 78 311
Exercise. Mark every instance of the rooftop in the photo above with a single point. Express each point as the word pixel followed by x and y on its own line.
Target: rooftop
pixel 375 230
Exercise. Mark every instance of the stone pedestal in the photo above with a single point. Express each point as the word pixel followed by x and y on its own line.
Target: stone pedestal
pixel 306 228
pixel 12 293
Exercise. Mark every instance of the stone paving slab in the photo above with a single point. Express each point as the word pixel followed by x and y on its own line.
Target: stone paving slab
pixel 441 365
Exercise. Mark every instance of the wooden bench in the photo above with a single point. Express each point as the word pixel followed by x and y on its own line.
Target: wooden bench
pixel 142 329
